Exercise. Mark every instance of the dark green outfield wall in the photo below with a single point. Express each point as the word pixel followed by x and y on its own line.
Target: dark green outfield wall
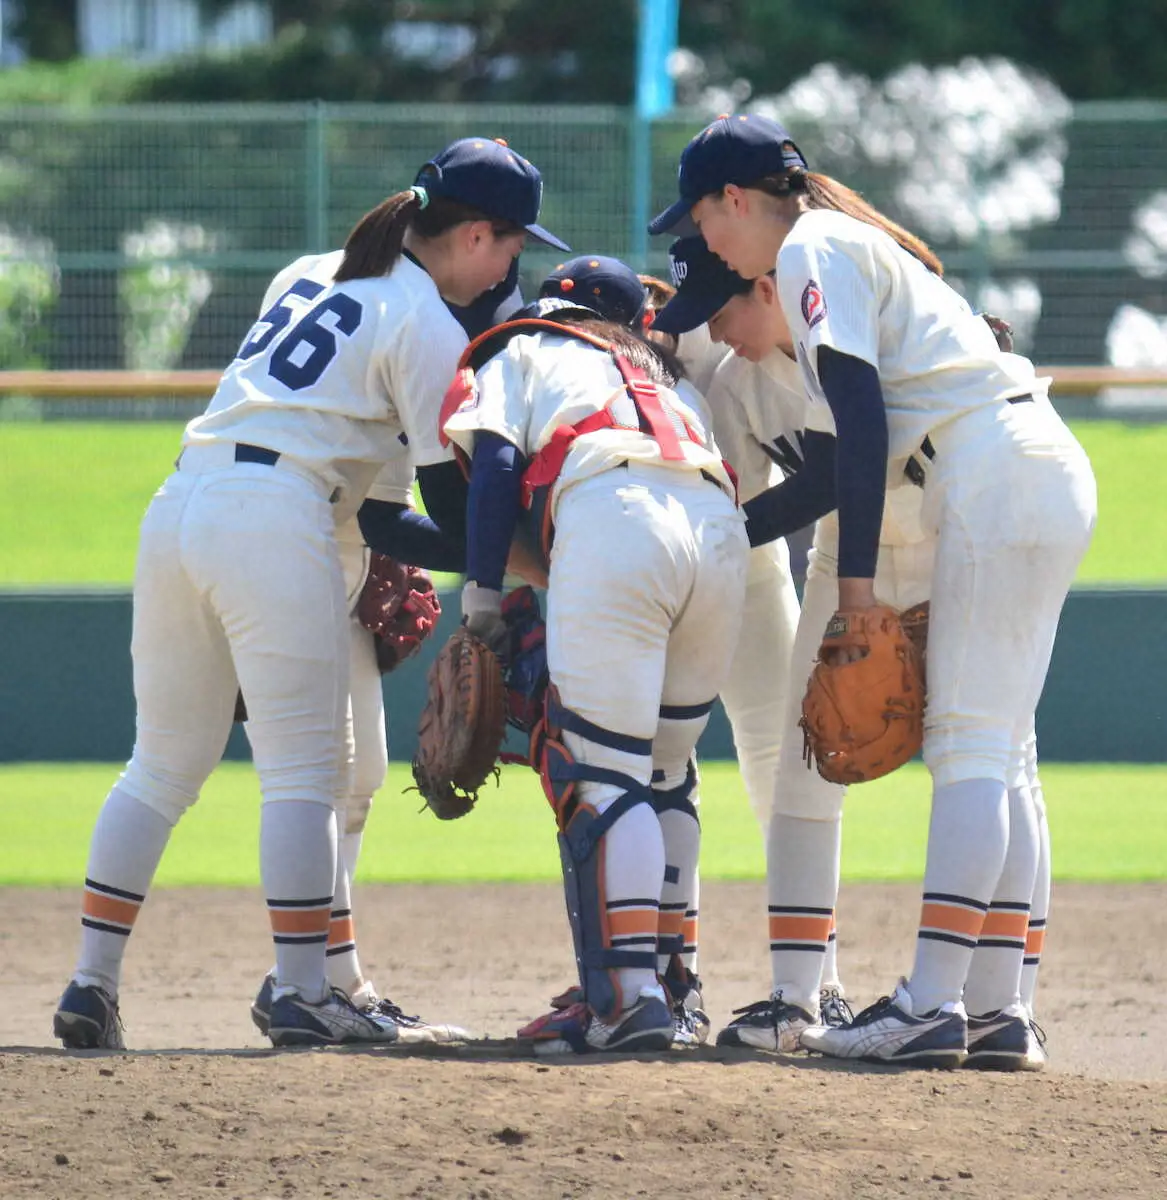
pixel 65 683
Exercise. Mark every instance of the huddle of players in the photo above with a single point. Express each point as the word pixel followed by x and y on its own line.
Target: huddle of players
pixel 653 560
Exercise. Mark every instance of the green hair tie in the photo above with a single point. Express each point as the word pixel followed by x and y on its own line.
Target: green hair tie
pixel 423 197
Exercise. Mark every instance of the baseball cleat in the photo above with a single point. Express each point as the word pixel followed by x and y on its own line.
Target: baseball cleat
pixel 833 1008
pixel 767 1025
pixel 1007 1040
pixel 690 1025
pixel 646 1025
pixel 890 1032
pixel 411 1029
pixel 87 1018
pixel 333 1021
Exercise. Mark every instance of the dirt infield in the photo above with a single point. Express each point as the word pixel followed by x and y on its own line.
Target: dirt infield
pixel 228 1118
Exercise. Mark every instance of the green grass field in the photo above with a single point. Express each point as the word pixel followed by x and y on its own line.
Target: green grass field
pixel 1109 823
pixel 72 495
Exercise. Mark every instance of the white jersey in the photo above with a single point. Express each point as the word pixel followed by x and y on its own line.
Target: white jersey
pixel 700 355
pixel 848 285
pixel 759 413
pixel 342 378
pixel 540 382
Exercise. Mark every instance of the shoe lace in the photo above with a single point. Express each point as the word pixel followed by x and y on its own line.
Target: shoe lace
pixel 873 1011
pixel 1038 1032
pixel 834 1009
pixel 386 1008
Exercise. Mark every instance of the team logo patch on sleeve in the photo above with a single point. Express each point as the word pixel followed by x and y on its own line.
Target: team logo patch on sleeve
pixel 814 307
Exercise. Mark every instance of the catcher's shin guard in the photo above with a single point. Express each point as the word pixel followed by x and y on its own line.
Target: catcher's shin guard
pixel 581 835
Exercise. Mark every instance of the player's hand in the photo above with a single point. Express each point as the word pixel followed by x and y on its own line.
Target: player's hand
pixel 482 616
pixel 854 594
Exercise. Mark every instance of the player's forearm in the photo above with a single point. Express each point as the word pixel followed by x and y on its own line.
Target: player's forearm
pixel 798 501
pixel 852 390
pixel 409 537
pixel 496 477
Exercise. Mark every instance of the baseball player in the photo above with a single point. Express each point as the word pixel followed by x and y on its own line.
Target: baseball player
pixel 239 580
pixel 759 410
pixel 366 741
pixel 646 580
pixel 911 383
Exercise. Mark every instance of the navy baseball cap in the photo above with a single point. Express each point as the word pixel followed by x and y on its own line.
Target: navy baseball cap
pixel 739 149
pixel 609 286
pixel 704 285
pixel 487 174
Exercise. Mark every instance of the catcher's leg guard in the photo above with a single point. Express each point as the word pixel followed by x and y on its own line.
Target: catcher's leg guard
pixel 582 829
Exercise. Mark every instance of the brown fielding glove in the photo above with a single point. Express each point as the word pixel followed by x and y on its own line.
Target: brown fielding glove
pixel 461 727
pixel 863 719
pixel 915 623
pixel 399 606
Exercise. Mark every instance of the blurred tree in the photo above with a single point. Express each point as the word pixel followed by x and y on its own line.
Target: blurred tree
pixel 46 28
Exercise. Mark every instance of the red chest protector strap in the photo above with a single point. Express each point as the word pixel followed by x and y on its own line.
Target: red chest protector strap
pixel 545 466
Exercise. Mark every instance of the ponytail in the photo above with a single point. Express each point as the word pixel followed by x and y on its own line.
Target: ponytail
pixel 375 243
pixel 823 192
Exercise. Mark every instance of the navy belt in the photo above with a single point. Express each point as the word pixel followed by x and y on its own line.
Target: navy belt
pixel 256 454
pixel 913 468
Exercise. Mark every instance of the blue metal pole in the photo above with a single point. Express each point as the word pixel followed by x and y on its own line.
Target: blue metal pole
pixel 656 41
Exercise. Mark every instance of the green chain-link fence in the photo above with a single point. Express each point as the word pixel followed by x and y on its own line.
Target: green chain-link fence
pixel 144 237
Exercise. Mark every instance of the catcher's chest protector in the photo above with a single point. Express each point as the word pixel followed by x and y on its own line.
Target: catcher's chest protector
pixel 637 406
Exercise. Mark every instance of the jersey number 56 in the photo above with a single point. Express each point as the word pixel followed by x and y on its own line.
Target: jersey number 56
pixel 302 353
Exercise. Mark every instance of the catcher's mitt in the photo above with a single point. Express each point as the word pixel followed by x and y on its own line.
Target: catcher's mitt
pixel 461 727
pixel 399 606
pixel 863 719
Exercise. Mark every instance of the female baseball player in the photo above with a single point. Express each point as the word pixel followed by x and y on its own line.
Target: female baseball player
pixel 646 579
pixel 758 408
pixel 911 382
pixel 239 581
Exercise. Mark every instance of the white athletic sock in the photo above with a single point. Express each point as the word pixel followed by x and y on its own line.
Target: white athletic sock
pixel 967 840
pixel 297 859
pixel 994 977
pixel 802 886
pixel 342 965
pixel 634 868
pixel 1039 905
pixel 678 908
pixel 127 844
pixel 350 851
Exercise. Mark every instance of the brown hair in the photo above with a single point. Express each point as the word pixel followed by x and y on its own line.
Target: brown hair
pixel 822 191
pixel 374 245
pixel 659 292
pixel 655 360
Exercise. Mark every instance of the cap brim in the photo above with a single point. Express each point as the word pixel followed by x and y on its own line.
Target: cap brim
pixel 688 310
pixel 676 220
pixel 548 239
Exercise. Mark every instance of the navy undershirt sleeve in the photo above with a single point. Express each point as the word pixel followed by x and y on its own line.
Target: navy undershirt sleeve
pixel 496 477
pixel 798 501
pixel 852 390
pixel 409 537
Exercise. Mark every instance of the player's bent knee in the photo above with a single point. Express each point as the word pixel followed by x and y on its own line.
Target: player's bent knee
pixel 315 786
pixel 357 813
pixel 168 795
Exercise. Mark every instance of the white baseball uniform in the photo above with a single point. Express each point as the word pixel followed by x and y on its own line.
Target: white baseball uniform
pixel 1009 496
pixel 646 581
pixel 239 583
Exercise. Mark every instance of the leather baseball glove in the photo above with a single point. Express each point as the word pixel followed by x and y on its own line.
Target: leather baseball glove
pixel 915 623
pixel 461 727
pixel 399 606
pixel 862 719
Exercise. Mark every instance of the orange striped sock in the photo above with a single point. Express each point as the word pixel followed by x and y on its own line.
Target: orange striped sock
pixel 634 924
pixel 799 936
pixel 300 932
pixel 994 977
pixel 341 960
pixel 108 909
